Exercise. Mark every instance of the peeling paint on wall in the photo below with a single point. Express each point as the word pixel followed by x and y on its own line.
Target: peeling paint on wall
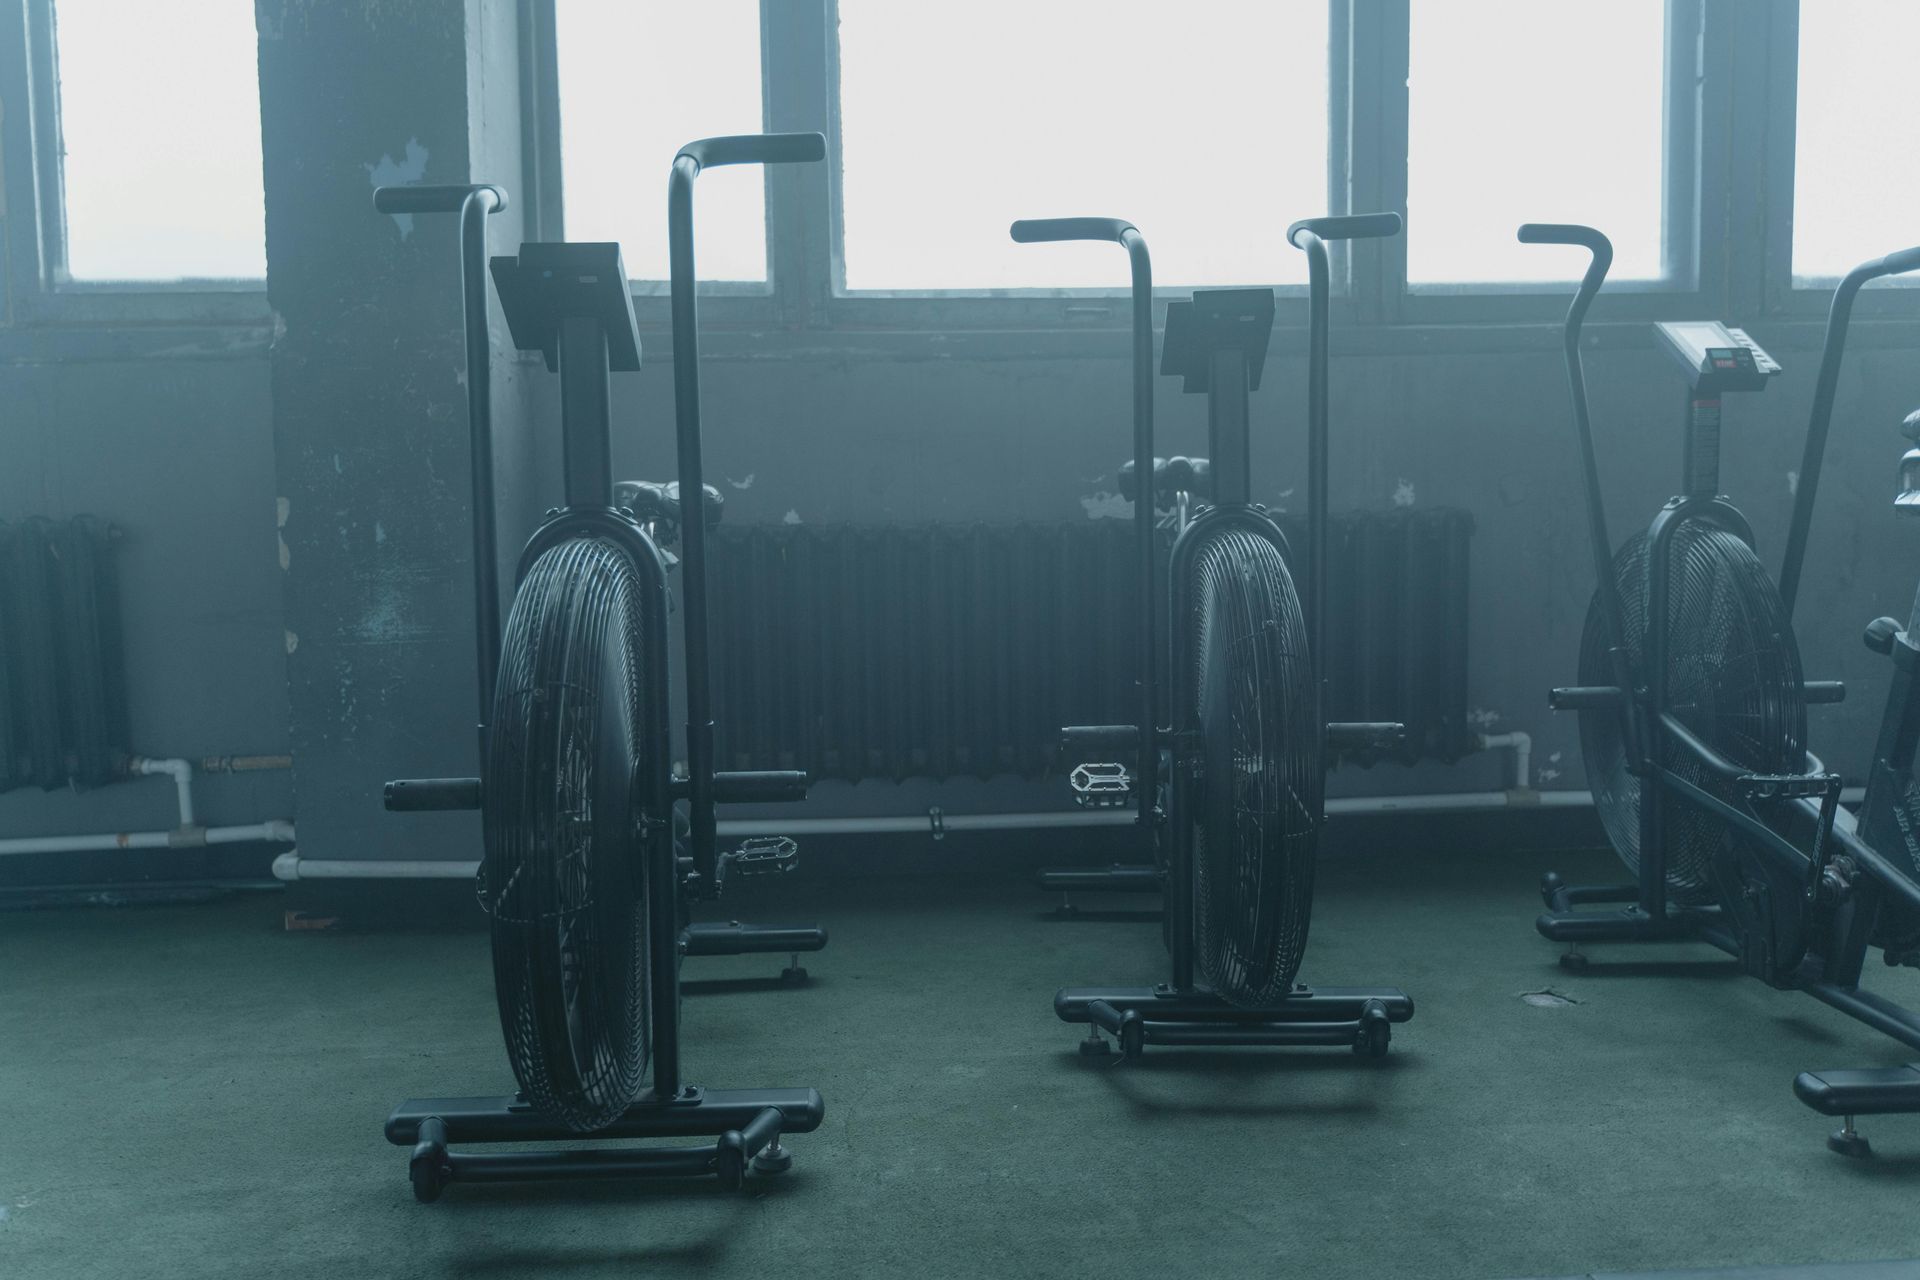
pixel 1483 718
pixel 1403 493
pixel 1107 506
pixel 742 484
pixel 293 642
pixel 281 509
pixel 1793 483
pixel 388 172
pixel 792 517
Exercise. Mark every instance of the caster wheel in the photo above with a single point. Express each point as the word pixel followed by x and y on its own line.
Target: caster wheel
pixel 428 1177
pixel 1574 962
pixel 1133 1035
pixel 794 976
pixel 1375 1035
pixel 1095 1046
pixel 773 1158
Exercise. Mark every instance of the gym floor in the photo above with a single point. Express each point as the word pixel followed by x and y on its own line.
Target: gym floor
pixel 192 1091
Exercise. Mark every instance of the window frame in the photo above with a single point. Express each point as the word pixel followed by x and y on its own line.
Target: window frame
pixel 39 290
pixel 1784 295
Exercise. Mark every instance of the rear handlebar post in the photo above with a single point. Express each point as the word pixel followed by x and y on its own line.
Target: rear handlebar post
pixel 1839 315
pixel 1601 249
pixel 473 203
pixel 706 153
pixel 1042 230
pixel 1311 235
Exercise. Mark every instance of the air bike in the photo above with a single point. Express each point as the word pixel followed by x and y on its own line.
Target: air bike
pixel 1693 724
pixel 1245 750
pixel 589 860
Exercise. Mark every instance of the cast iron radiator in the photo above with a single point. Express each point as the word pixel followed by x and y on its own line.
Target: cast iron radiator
pixel 63 703
pixel 941 651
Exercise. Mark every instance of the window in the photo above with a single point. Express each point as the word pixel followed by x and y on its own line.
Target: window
pixel 638 80
pixel 1533 111
pixel 1204 125
pixel 1856 167
pixel 159 116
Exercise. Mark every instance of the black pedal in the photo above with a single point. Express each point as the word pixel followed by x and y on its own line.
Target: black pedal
pixel 1101 786
pixel 760 856
pixel 1757 787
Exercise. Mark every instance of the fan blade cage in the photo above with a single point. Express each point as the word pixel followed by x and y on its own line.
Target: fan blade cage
pixel 1733 678
pixel 1257 803
pixel 563 877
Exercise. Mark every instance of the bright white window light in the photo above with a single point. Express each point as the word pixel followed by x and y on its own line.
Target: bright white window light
pixel 1856 163
pixel 638 80
pixel 1533 111
pixel 160 130
pixel 1203 124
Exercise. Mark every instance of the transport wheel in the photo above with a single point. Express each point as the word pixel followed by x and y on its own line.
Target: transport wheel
pixel 1257 802
pixel 564 874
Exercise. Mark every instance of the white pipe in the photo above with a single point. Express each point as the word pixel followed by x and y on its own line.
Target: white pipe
pixel 184 836
pixel 291 866
pixel 1522 747
pixel 182 774
pixel 276 831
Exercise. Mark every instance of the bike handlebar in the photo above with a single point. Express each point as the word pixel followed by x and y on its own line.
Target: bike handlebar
pixel 756 148
pixel 1040 230
pixel 1566 233
pixel 436 198
pixel 1357 226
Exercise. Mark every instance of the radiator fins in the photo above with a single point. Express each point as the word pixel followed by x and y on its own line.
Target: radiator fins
pixel 63 703
pixel 948 651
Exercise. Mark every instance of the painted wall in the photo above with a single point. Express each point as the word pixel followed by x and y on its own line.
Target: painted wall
pixel 177 452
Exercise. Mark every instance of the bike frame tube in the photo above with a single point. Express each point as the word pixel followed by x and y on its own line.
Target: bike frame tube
pixel 474 204
pixel 1839 315
pixel 777 148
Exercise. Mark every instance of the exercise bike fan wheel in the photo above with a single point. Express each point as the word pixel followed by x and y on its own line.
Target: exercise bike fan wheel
pixel 563 876
pixel 1255 816
pixel 1733 678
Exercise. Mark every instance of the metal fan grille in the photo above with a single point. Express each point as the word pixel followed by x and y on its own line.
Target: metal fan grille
pixel 563 876
pixel 1733 679
pixel 1257 809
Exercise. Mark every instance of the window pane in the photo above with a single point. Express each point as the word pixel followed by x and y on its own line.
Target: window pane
pixel 1856 167
pixel 1533 111
pixel 1204 125
pixel 639 79
pixel 161 98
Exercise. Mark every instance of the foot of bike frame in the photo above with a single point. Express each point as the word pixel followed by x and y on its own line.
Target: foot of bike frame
pixel 1873 1091
pixel 747 1124
pixel 733 938
pixel 1360 1018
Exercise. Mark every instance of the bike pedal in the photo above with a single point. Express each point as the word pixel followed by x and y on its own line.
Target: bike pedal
pixel 763 856
pixel 1101 786
pixel 1788 786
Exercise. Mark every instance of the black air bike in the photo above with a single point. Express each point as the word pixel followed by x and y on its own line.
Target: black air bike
pixel 1693 721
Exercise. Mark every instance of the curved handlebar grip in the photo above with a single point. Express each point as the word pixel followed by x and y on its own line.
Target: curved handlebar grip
pixel 1899 263
pixel 1039 230
pixel 1356 226
pixel 429 198
pixel 1565 233
pixel 756 148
